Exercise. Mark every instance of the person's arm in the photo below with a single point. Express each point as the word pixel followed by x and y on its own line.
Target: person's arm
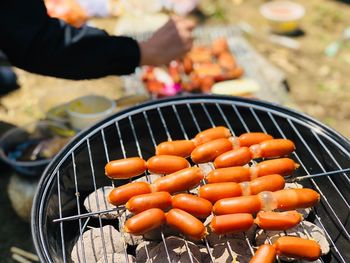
pixel 40 44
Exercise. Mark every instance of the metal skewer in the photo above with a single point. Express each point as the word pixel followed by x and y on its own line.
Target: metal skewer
pixel 300 178
pixel 70 218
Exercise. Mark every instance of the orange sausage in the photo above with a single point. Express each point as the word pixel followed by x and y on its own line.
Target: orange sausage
pixel 251 138
pixel 290 199
pixel 139 203
pixel 125 168
pixel 230 174
pixel 181 148
pixel 236 157
pixel 272 148
pixel 145 221
pixel 278 220
pixel 231 223
pixel 282 166
pixel 217 191
pixel 122 194
pixel 211 134
pixel 192 204
pixel 297 247
pixel 219 46
pixel 179 181
pixel 265 254
pixel 271 183
pixel 208 151
pixel 166 164
pixel 242 204
pixel 186 223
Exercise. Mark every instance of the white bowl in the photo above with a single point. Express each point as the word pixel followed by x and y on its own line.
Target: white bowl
pixel 85 111
pixel 283 16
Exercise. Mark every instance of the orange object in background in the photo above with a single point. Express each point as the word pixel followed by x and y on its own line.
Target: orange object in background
pixel 68 10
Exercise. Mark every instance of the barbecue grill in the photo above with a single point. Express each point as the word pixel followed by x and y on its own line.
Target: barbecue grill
pixel 59 218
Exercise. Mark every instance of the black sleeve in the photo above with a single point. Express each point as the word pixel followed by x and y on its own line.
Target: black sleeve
pixel 40 44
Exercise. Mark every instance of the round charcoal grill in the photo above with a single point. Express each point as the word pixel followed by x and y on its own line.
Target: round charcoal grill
pixel 59 218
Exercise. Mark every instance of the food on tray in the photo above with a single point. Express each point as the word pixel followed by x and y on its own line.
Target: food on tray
pixel 179 181
pixel 196 206
pixel 125 168
pixel 198 71
pixel 305 229
pixel 166 164
pixel 245 198
pixel 269 220
pixel 144 221
pixel 211 134
pixel 181 148
pixel 297 247
pixel 286 199
pixel 216 191
pixel 235 157
pixel 208 151
pixel 265 253
pixel 225 224
pixel 122 194
pixel 140 203
pixel 236 87
pixel 250 138
pixel 266 149
pixel 282 166
pixel 186 223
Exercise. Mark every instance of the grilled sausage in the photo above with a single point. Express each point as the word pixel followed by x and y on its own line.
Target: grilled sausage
pixel 271 183
pixel 290 199
pixel 278 220
pixel 219 46
pixel 139 203
pixel 186 223
pixel 272 148
pixel 196 206
pixel 166 164
pixel 287 199
pixel 297 247
pixel 282 166
pixel 217 191
pixel 208 151
pixel 230 174
pixel 236 157
pixel 121 194
pixel 145 221
pixel 125 168
pixel 211 134
pixel 242 204
pixel 181 148
pixel 265 254
pixel 231 223
pixel 251 138
pixel 179 181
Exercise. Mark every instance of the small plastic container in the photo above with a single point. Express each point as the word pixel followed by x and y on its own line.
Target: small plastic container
pixel 29 149
pixel 283 16
pixel 85 111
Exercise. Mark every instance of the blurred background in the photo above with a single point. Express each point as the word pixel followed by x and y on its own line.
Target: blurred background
pixel 296 54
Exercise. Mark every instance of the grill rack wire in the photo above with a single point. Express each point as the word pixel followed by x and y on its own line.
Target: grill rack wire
pixel 136 127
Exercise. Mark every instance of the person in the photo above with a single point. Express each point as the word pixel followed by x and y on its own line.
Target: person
pixel 37 43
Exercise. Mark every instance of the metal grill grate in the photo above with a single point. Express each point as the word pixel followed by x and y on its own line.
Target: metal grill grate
pixel 79 169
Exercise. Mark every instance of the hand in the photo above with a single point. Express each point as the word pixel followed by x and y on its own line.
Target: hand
pixel 169 42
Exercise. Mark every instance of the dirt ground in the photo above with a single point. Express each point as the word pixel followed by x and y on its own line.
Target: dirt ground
pixel 319 86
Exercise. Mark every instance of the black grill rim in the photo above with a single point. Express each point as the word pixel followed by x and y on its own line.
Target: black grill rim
pixel 48 174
